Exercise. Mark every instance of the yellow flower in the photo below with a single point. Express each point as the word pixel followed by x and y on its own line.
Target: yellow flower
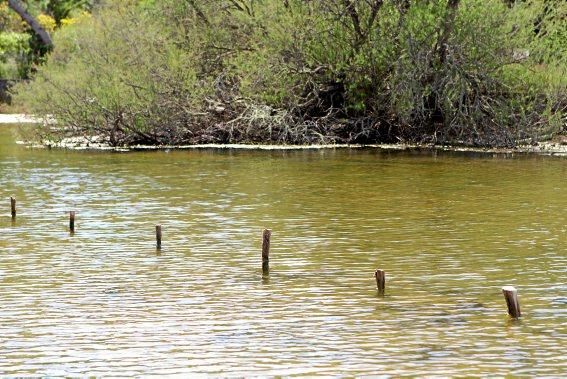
pixel 47 22
pixel 68 21
pixel 73 20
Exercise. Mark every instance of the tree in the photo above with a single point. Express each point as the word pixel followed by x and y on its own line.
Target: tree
pixel 20 9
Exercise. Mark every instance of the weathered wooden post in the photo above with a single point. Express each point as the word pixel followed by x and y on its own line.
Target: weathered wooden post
pixel 72 222
pixel 380 276
pixel 13 206
pixel 158 237
pixel 511 296
pixel 266 235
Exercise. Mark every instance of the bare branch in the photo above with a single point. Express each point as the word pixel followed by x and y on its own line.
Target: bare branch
pixel 448 24
pixel 243 7
pixel 199 12
pixel 374 9
pixel 353 13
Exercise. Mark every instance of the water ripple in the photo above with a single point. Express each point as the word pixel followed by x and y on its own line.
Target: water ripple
pixel 449 231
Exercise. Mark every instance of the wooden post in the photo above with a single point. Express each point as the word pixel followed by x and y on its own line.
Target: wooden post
pixel 266 250
pixel 380 276
pixel 158 237
pixel 72 221
pixel 13 206
pixel 511 296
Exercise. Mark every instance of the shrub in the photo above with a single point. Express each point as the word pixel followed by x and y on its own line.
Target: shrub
pixel 169 72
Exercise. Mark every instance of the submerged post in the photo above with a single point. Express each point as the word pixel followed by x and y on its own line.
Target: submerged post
pixel 380 276
pixel 266 235
pixel 13 206
pixel 511 296
pixel 158 237
pixel 72 221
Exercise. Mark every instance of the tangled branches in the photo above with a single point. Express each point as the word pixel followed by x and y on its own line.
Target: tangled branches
pixel 302 72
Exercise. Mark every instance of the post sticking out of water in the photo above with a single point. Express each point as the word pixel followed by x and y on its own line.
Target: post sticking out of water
pixel 13 206
pixel 511 296
pixel 266 235
pixel 158 237
pixel 380 276
pixel 72 222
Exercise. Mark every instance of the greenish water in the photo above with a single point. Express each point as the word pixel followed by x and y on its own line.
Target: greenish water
pixel 449 229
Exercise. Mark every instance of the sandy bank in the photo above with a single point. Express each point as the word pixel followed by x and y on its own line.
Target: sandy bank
pixel 19 119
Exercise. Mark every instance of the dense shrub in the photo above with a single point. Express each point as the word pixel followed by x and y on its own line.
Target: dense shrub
pixel 170 72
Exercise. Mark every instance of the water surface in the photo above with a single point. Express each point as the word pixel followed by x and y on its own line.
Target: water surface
pixel 449 229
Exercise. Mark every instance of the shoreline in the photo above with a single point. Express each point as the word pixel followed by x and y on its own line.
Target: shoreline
pixel 549 148
pixel 19 118
pixel 555 147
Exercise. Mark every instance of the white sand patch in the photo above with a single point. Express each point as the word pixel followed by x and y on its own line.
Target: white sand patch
pixel 26 119
pixel 100 143
pixel 19 119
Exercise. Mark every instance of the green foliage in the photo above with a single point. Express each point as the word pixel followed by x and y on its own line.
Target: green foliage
pixel 548 33
pixel 20 49
pixel 14 48
pixel 9 20
pixel 61 9
pixel 121 85
pixel 11 43
pixel 295 71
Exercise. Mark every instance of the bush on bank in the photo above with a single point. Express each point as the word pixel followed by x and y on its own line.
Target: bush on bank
pixel 490 73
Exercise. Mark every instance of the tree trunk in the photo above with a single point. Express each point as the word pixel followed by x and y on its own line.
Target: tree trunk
pixel 17 6
pixel 448 25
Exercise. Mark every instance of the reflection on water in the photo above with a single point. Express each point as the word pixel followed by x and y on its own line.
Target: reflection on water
pixel 449 230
